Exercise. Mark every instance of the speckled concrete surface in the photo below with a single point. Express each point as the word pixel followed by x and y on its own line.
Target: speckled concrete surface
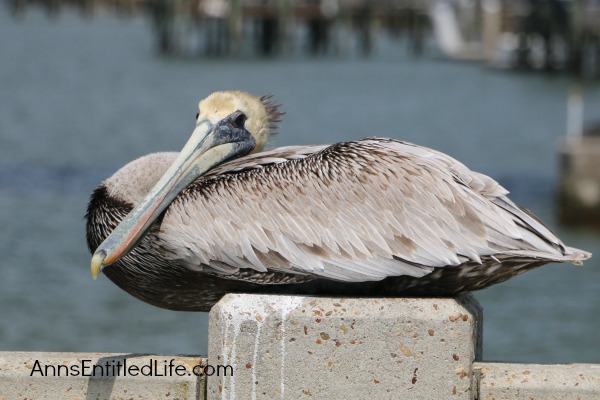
pixel 309 347
pixel 330 348
pixel 34 375
pixel 504 381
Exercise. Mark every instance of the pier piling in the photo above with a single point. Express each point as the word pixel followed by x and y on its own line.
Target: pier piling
pixel 579 182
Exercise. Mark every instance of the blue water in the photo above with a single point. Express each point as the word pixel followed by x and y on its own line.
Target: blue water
pixel 80 97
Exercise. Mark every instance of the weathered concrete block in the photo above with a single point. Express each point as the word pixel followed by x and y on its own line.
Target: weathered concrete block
pixel 579 185
pixel 503 381
pixel 331 348
pixel 29 375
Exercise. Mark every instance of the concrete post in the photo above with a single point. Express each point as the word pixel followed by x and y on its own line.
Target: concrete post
pixel 332 348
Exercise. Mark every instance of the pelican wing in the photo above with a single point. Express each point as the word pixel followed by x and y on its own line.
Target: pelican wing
pixel 352 211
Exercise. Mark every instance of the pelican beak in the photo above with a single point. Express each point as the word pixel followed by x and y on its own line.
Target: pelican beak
pixel 209 145
pixel 97 266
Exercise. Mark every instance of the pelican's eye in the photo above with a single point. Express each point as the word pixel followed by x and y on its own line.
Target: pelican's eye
pixel 197 115
pixel 239 118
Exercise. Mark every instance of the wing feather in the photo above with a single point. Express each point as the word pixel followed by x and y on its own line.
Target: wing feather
pixel 352 211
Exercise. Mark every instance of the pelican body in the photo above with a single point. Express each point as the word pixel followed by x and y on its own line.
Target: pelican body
pixel 373 217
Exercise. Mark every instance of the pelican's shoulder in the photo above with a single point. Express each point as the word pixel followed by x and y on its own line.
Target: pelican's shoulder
pixel 381 145
pixel 268 157
pixel 372 152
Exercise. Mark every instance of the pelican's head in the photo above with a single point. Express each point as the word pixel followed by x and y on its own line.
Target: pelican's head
pixel 260 115
pixel 228 125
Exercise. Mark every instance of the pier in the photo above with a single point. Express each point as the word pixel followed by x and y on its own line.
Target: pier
pixel 547 35
pixel 272 347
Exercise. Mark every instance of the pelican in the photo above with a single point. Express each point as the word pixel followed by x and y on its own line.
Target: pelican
pixel 375 217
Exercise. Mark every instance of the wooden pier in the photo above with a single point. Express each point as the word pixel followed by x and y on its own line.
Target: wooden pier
pixel 546 35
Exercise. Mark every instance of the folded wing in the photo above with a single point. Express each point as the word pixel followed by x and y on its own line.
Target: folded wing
pixel 353 211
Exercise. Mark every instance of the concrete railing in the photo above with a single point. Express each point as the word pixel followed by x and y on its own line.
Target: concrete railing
pixel 275 347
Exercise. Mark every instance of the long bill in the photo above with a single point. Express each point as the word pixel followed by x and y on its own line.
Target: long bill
pixel 204 150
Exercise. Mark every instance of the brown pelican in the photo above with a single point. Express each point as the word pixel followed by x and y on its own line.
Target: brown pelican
pixel 370 217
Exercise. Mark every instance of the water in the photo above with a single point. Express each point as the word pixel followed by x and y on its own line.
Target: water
pixel 81 97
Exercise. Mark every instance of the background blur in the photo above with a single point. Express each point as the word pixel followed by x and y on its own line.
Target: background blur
pixel 84 90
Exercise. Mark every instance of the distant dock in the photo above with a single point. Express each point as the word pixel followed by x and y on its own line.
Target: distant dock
pixel 544 35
